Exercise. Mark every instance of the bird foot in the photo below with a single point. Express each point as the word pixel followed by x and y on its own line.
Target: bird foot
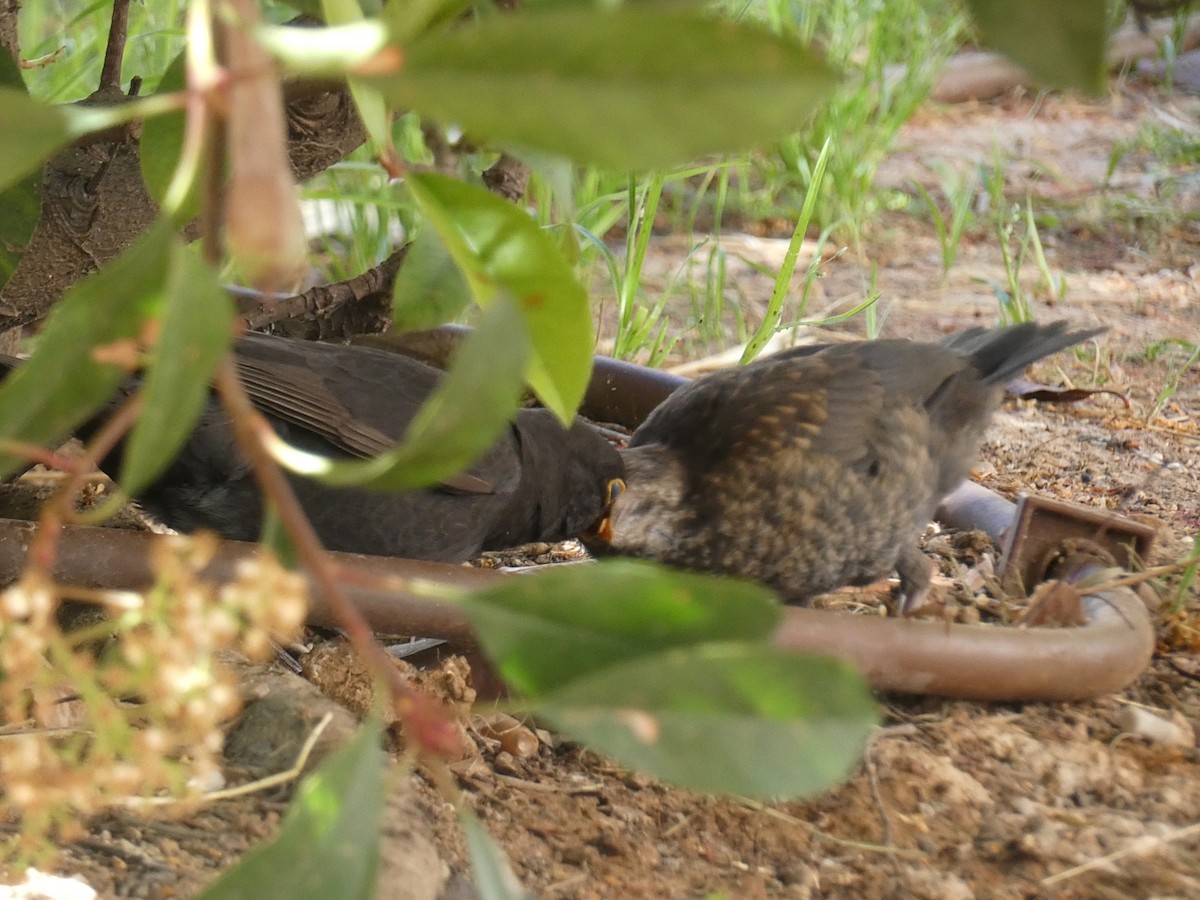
pixel 916 572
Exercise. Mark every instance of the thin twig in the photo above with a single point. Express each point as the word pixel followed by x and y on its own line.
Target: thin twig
pixel 876 793
pixel 526 785
pixel 212 136
pixel 252 432
pixel 114 52
pixel 1140 846
pixel 825 836
pixel 250 787
pixel 10 732
pixel 60 508
pixel 39 62
pixel 566 884
pixel 1139 577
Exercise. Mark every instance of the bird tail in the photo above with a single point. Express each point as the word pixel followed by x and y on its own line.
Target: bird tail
pixel 1003 353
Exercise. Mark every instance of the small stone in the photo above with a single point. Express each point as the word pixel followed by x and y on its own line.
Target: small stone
pixel 506 764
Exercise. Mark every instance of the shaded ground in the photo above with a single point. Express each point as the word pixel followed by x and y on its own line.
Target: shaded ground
pixel 953 799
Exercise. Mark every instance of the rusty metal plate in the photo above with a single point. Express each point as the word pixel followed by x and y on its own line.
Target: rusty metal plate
pixel 1042 526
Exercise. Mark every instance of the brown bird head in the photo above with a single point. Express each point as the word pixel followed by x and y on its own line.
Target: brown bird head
pixel 644 509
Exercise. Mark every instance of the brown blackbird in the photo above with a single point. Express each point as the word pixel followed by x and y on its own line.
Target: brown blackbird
pixel 538 482
pixel 817 467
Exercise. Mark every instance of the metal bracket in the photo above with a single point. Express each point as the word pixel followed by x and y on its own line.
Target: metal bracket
pixel 1043 528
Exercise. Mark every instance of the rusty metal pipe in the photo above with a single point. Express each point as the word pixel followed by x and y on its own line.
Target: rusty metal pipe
pixel 972 506
pixel 967 661
pixel 982 662
pixel 624 393
pixel 117 559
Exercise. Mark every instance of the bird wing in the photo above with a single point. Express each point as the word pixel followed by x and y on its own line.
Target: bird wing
pixel 909 371
pixel 359 400
pixel 812 403
pixel 300 396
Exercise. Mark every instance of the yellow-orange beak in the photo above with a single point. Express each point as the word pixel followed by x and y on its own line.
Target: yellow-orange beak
pixel 601 529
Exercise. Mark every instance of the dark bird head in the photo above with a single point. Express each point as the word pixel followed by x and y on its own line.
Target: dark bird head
pixel 600 530
pixel 565 479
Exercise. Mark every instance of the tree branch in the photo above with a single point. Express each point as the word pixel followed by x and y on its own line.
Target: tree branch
pixel 114 51
pixel 360 305
pixel 8 27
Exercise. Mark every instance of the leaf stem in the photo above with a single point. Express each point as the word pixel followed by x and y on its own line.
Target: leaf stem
pixel 432 728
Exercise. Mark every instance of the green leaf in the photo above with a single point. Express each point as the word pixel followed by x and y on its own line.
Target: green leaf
pixel 21 204
pixel 162 144
pixel 31 132
pixel 328 844
pixel 329 52
pixel 551 627
pixel 558 174
pixel 739 718
pixel 305 7
pixel 20 211
pixel 405 19
pixel 196 330
pixel 430 288
pixel 501 250
pixel 314 7
pixel 10 72
pixel 374 112
pixel 275 538
pixel 494 878
pixel 56 390
pixel 1062 44
pixel 636 87
pixel 461 420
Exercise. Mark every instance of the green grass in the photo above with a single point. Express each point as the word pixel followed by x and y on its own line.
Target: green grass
pixel 1186 578
pixel 1016 229
pixel 958 190
pixel 830 190
pixel 1168 148
pixel 893 50
pixel 1016 235
pixel 81 30
pixel 1161 160
pixel 1182 357
pixel 366 211
pixel 775 307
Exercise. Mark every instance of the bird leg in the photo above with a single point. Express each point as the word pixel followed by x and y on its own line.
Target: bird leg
pixel 916 572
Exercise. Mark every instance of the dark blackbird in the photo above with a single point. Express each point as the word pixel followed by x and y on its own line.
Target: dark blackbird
pixel 817 467
pixel 539 482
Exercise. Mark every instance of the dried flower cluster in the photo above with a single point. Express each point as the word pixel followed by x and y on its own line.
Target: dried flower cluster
pixel 132 707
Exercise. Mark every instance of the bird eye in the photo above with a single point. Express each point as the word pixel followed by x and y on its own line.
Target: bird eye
pixel 615 488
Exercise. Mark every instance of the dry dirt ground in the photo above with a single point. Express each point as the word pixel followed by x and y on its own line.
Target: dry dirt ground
pixel 953 799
